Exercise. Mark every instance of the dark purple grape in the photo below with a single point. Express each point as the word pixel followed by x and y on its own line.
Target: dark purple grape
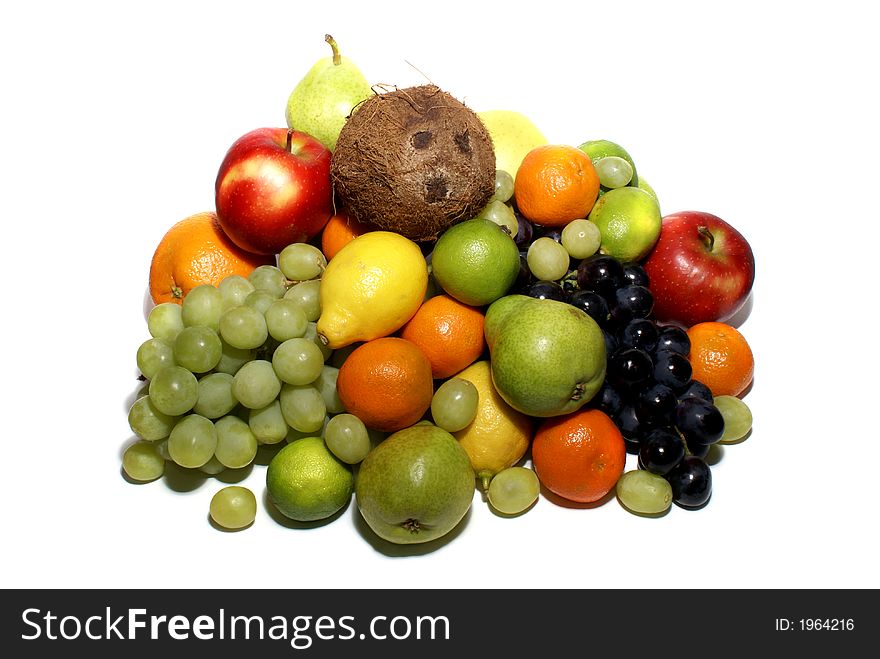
pixel 662 449
pixel 524 276
pixel 691 482
pixel 611 343
pixel 593 304
pixel 639 333
pixel 546 290
pixel 671 337
pixel 601 274
pixel 699 450
pixel 570 282
pixel 629 426
pixel 629 367
pixel 608 400
pixel 524 232
pixel 672 369
pixel 656 405
pixel 631 302
pixel 700 422
pixel 634 274
pixel 547 232
pixel 696 389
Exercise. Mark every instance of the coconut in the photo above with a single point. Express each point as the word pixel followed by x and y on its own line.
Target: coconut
pixel 414 161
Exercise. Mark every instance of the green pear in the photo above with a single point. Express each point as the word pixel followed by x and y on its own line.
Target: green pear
pixel 322 101
pixel 513 135
pixel 547 357
pixel 416 485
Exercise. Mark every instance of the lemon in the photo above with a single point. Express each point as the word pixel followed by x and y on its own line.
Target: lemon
pixel 629 221
pixel 371 287
pixel 513 136
pixel 306 482
pixel 499 436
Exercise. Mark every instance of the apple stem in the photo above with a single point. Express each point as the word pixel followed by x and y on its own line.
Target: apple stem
pixel 707 237
pixel 337 58
pixel 290 139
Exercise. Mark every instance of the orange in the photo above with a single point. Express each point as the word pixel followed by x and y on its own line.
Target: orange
pixel 196 251
pixel 721 358
pixel 386 383
pixel 449 332
pixel 579 456
pixel 341 230
pixel 556 184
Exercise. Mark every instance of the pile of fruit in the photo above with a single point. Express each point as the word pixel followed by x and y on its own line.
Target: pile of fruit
pixel 526 320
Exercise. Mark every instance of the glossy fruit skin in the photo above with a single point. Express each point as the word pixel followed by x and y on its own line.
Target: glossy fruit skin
pixel 273 188
pixel 546 290
pixel 602 274
pixel 629 367
pixel 698 390
pixel 673 338
pixel 639 333
pixel 672 369
pixel 661 451
pixel 593 304
pixel 699 421
pixel 691 482
pixel 701 269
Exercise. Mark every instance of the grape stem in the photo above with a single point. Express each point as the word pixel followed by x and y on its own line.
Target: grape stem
pixel 337 58
pixel 707 237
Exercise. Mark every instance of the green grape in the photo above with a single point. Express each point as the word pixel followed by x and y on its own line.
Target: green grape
pixel 215 396
pixel 197 349
pixel 192 441
pixel 148 422
pixel 454 404
pixel 503 186
pixel 268 424
pixel 143 391
pixel 298 361
pixel 152 355
pixel 243 327
pixel 737 418
pixel 232 358
pixel 260 300
pixel 174 390
pixel 165 321
pixel 255 385
pixel 285 320
pixel 202 306
pixel 547 259
pixel 303 407
pixel 213 467
pixel 162 449
pixel 502 215
pixel 326 384
pixel 142 462
pixel 307 294
pixel 236 443
pixel 347 438
pixel 234 290
pixel 312 335
pixel 581 238
pixel 270 279
pixel 614 172
pixel 301 261
pixel 643 492
pixel 233 507
pixel 512 491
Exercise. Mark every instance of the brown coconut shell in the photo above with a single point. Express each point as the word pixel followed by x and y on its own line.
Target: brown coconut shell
pixel 414 161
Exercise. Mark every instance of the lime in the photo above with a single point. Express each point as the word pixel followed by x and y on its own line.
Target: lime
pixel 629 221
pixel 475 261
pixel 644 185
pixel 306 482
pixel 598 149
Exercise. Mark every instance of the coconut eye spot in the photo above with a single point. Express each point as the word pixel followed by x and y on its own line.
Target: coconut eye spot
pixel 422 139
pixel 463 142
pixel 435 189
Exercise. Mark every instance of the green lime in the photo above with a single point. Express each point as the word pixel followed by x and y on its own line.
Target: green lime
pixel 306 482
pixel 598 149
pixel 629 221
pixel 475 261
pixel 644 185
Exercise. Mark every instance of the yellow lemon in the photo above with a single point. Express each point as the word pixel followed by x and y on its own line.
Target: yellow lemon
pixel 499 436
pixel 371 287
pixel 513 136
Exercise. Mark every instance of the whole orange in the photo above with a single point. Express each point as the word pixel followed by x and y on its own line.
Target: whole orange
pixel 341 230
pixel 196 251
pixel 555 184
pixel 721 358
pixel 579 456
pixel 449 332
pixel 386 383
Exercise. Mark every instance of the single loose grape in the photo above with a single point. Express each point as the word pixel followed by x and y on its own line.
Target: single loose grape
pixel 233 507
pixel 301 261
pixel 268 423
pixel 174 390
pixel 244 327
pixel 347 438
pixel 165 321
pixel 192 441
pixel 154 354
pixel 148 422
pixel 142 462
pixel 285 320
pixel 643 492
pixel 255 385
pixel 502 215
pixel 215 396
pixel 197 348
pixel 326 384
pixel 581 238
pixel 614 171
pixel 303 407
pixel 234 290
pixel 298 361
pixel 270 279
pixel 547 259
pixel 503 186
pixel 307 295
pixel 512 491
pixel 236 442
pixel 737 418
pixel 202 306
pixel 454 404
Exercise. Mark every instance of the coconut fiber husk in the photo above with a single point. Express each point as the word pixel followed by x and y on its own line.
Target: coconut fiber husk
pixel 415 161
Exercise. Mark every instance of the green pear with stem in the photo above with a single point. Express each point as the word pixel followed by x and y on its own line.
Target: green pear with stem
pixel 322 101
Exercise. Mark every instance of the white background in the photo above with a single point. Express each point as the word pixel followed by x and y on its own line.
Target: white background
pixel 115 117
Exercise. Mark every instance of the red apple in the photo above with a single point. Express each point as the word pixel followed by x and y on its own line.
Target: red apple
pixel 701 269
pixel 274 189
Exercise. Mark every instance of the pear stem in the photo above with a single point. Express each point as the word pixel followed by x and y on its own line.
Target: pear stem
pixel 707 237
pixel 337 58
